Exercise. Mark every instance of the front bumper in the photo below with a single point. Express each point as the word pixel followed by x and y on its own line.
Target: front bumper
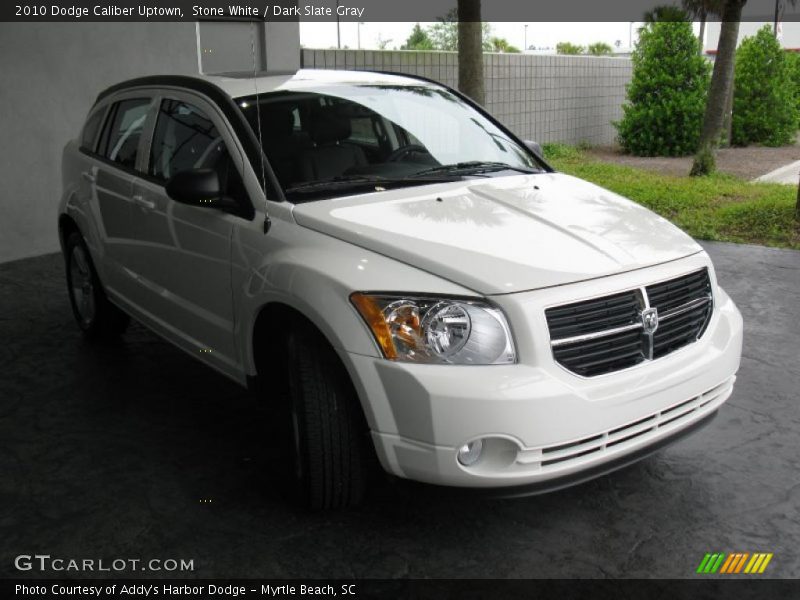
pixel 541 423
pixel 559 483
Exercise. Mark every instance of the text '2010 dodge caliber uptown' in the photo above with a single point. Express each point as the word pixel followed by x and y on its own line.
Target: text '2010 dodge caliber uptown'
pixel 398 274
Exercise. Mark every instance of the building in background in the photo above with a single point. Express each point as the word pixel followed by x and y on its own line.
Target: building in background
pixel 788 34
pixel 52 73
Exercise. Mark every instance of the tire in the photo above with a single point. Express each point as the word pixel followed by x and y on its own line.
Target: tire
pixel 93 312
pixel 330 437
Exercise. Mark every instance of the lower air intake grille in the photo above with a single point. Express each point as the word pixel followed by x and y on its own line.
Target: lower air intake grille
pixel 624 437
pixel 615 332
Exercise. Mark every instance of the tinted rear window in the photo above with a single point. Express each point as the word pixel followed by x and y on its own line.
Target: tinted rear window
pixel 89 135
pixel 122 134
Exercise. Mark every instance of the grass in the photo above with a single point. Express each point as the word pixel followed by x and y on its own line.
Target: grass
pixel 718 207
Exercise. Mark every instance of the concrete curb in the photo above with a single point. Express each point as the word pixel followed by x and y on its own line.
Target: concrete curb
pixel 787 174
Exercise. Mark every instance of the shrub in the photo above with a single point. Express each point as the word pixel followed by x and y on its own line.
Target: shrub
pixel 793 62
pixel 704 163
pixel 666 97
pixel 568 48
pixel 599 49
pixel 764 103
pixel 418 40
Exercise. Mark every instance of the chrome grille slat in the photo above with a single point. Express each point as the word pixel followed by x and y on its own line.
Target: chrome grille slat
pixel 588 337
pixel 691 305
pixel 607 334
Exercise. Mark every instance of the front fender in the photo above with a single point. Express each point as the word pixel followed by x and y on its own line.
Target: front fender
pixel 315 274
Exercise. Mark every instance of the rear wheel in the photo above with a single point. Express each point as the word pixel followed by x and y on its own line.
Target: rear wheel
pixel 93 312
pixel 328 432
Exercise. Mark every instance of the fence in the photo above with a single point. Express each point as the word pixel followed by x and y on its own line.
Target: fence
pixel 569 99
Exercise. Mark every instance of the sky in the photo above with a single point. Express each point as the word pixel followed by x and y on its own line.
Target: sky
pixel 541 35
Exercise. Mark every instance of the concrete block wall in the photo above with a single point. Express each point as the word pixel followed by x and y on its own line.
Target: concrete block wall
pixel 570 99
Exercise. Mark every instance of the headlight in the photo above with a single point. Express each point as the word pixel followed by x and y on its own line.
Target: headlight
pixel 437 330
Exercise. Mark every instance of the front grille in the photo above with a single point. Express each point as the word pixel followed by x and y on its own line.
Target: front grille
pixel 607 334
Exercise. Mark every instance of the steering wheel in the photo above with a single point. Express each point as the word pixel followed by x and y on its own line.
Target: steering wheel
pixel 403 151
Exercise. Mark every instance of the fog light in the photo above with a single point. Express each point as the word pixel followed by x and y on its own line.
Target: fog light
pixel 469 454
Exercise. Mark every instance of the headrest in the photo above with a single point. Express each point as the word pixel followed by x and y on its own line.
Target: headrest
pixel 328 126
pixel 277 122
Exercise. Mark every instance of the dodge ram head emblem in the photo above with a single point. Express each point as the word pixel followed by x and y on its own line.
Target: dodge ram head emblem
pixel 650 320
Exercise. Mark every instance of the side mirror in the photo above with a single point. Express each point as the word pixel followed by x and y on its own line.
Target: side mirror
pixel 534 147
pixel 198 187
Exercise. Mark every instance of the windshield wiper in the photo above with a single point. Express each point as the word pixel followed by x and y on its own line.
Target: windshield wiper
pixel 474 167
pixel 361 181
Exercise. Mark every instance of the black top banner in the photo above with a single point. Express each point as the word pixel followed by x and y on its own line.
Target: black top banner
pixel 357 10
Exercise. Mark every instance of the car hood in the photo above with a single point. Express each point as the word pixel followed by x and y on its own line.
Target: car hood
pixel 504 234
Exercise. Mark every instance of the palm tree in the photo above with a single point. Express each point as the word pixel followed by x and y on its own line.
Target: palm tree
pixel 499 44
pixel 721 81
pixel 665 12
pixel 700 10
pixel 470 50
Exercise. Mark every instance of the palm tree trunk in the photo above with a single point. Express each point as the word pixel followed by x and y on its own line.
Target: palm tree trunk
pixel 727 120
pixel 721 80
pixel 470 50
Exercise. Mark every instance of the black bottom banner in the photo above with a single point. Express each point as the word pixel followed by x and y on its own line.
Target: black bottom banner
pixel 563 589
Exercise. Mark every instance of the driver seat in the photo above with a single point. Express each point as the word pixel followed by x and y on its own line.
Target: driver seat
pixel 329 157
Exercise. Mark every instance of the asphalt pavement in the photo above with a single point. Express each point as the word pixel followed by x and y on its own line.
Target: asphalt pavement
pixel 136 450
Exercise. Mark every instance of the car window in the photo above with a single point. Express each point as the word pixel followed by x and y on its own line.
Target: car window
pixel 124 130
pixel 363 130
pixel 384 131
pixel 184 139
pixel 90 130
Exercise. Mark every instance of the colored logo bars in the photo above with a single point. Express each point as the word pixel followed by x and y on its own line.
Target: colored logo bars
pixel 735 562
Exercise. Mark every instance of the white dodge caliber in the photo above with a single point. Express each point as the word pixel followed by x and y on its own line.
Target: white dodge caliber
pixel 398 273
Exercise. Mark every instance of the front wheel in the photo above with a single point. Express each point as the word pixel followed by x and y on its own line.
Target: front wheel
pixel 93 312
pixel 328 430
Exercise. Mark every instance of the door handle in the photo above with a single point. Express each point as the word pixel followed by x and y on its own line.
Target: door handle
pixel 143 202
pixel 88 176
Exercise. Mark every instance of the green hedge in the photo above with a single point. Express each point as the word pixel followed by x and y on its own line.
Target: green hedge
pixel 765 107
pixel 793 62
pixel 667 94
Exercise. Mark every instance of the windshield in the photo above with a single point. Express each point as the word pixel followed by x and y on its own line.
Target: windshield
pixel 368 137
